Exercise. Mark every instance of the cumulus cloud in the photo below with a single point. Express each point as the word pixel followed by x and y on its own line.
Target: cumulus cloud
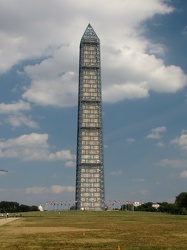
pixel 19 120
pixel 183 174
pixel 160 144
pixel 116 173
pixel 61 155
pixel 130 140
pixel 117 92
pixel 15 116
pixel 144 192
pixel 157 133
pixel 60 189
pixel 156 49
pixel 184 32
pixel 14 107
pixel 180 141
pixel 55 189
pixel 174 163
pixel 130 62
pixel 58 89
pixel 32 147
pixel 184 131
pixel 70 163
pixel 139 180
pixel 2 172
pixel 136 73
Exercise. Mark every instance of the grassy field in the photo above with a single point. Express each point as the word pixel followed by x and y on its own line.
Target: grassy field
pixel 70 230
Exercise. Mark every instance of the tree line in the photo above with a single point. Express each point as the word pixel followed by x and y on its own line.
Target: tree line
pixel 15 207
pixel 178 207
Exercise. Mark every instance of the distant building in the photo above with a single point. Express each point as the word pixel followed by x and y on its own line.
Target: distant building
pixel 155 205
pixel 40 208
pixel 90 166
pixel 137 203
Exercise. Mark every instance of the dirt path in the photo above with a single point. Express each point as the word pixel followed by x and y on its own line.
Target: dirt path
pixel 6 220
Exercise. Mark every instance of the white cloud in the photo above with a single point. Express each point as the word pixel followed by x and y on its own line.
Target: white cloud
pixel 61 155
pixel 117 92
pixel 19 120
pixel 32 147
pixel 130 140
pixel 55 189
pixel 139 180
pixel 144 192
pixel 130 63
pixel 2 173
pixel 116 173
pixel 184 131
pixel 160 144
pixel 58 91
pixel 158 49
pixel 136 73
pixel 180 141
pixel 60 189
pixel 11 192
pixel 15 116
pixel 183 174
pixel 37 190
pixel 178 163
pixel 14 107
pixel 70 163
pixel 157 133
pixel 184 32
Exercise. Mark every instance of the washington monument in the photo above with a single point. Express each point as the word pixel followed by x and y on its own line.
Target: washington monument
pixel 90 194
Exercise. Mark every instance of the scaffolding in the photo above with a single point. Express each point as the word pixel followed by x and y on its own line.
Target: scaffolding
pixel 90 165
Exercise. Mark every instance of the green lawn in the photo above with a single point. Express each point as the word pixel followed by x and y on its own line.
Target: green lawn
pixel 95 231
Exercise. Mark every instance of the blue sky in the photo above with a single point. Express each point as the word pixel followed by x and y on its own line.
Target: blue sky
pixel 144 89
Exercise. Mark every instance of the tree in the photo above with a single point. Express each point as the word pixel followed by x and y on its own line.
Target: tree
pixel 146 207
pixel 181 200
pixel 168 208
pixel 14 207
pixel 73 207
pixel 9 206
pixel 33 208
pixel 24 208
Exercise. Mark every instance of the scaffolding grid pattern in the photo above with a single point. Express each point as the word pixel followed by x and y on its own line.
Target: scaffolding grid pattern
pixel 90 165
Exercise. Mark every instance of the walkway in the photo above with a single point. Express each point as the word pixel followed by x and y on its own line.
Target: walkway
pixel 6 220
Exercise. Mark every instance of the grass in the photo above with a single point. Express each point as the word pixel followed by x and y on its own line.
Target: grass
pixel 80 230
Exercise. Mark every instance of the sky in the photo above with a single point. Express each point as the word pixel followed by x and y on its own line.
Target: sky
pixel 144 93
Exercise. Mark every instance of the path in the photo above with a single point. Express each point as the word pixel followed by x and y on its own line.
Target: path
pixel 6 220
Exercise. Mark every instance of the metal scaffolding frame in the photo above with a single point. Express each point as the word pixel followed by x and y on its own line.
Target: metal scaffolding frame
pixel 90 165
